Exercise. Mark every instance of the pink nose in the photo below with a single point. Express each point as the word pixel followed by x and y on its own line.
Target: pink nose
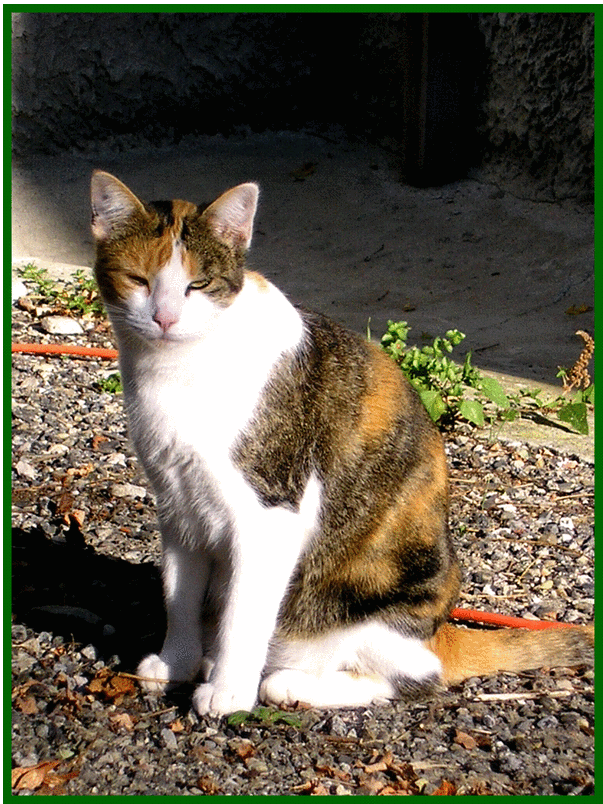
pixel 165 318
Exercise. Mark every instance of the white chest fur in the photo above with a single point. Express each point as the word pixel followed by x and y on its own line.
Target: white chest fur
pixel 193 398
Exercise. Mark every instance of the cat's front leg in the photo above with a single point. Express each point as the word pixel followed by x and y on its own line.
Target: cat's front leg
pixel 265 560
pixel 247 623
pixel 185 578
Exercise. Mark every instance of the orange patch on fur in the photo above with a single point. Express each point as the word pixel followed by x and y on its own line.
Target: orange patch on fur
pixel 384 397
pixel 260 281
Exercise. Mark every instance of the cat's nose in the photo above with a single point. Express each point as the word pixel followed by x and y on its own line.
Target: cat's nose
pixel 165 318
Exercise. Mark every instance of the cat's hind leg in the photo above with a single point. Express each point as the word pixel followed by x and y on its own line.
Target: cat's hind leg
pixel 185 578
pixel 359 665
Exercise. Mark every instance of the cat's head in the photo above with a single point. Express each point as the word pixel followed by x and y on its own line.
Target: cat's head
pixel 167 269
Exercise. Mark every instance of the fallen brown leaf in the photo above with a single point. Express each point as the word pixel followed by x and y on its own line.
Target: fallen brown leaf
pixel 98 439
pixel 446 788
pixel 120 720
pixel 573 310
pixel 111 686
pixel 334 773
pixel 34 777
pixel 65 504
pixel 371 786
pixel 466 740
pixel 244 750
pixel 312 787
pixel 27 704
pixel 207 785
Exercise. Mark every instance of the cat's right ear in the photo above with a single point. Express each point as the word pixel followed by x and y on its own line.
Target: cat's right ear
pixel 112 205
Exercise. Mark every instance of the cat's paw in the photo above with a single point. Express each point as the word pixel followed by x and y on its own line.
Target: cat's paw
pixel 211 699
pixel 157 675
pixel 288 687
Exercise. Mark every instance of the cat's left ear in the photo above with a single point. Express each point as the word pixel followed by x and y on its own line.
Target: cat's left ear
pixel 230 217
pixel 112 204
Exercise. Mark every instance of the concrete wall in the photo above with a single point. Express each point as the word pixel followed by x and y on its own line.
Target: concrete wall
pixel 129 78
pixel 538 127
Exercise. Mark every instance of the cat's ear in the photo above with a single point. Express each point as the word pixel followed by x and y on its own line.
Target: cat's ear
pixel 112 205
pixel 230 217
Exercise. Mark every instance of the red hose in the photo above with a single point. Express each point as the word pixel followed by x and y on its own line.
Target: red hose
pixel 64 349
pixel 467 615
pixel 503 620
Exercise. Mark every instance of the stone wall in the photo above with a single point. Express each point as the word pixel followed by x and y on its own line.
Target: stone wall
pixel 538 127
pixel 129 78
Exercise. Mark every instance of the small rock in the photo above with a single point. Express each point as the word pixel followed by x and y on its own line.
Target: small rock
pixel 338 726
pixel 128 490
pixel 60 325
pixel 26 470
pixel 169 738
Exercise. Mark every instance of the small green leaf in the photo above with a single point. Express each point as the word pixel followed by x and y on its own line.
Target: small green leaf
pixel 238 717
pixel 289 719
pixel 494 391
pixel 472 411
pixel 574 414
pixel 434 404
pixel 589 394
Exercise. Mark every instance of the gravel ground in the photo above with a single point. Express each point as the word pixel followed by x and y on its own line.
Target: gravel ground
pixel 87 605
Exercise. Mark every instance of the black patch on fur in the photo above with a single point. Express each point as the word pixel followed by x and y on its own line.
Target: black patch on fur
pixel 165 213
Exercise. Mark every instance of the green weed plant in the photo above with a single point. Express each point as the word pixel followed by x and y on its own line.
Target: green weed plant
pixel 454 392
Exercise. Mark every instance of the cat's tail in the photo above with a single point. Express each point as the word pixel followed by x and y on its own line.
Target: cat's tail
pixel 466 652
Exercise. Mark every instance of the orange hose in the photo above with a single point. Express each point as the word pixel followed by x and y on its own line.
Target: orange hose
pixel 467 615
pixel 503 620
pixel 64 349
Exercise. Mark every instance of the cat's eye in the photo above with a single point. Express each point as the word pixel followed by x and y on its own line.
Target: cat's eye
pixel 198 284
pixel 139 280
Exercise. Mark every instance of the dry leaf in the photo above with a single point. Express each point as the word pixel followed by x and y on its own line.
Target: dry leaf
pixel 120 720
pixel 334 773
pixel 207 785
pixel 27 705
pixel 312 787
pixel 466 740
pixel 98 439
pixel 380 764
pixel 34 777
pixel 80 471
pixel 446 788
pixel 573 310
pixel 371 787
pixel 112 686
pixel 245 750
pixel 65 504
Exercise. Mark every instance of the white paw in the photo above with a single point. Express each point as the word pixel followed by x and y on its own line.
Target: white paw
pixel 154 673
pixel 288 687
pixel 158 675
pixel 211 699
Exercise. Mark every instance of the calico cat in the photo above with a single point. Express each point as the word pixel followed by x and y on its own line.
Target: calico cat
pixel 301 488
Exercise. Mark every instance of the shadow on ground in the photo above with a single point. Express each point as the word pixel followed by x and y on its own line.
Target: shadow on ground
pixel 66 587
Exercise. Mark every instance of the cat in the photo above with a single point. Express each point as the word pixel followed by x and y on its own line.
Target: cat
pixel 302 490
